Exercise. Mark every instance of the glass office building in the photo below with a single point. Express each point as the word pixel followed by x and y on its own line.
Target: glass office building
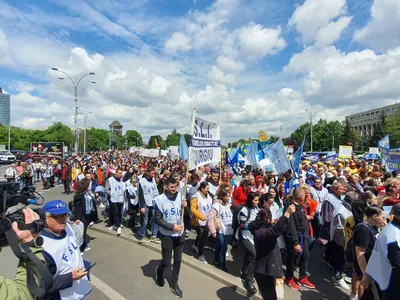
pixel 4 108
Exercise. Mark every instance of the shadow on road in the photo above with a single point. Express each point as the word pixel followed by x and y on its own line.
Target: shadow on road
pixel 228 293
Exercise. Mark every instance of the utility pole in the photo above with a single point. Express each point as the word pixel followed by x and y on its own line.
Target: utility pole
pixel 312 114
pixel 75 85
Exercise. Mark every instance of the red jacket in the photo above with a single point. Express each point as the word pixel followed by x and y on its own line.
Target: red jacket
pixel 239 196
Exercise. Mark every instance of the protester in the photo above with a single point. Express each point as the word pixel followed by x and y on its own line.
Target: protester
pixel 296 238
pixel 220 227
pixel 200 206
pixel 247 215
pixel 268 265
pixel 147 192
pixel 168 213
pixel 384 263
pixel 115 189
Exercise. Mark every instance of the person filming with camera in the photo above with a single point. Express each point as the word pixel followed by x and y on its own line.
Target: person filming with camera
pixel 18 288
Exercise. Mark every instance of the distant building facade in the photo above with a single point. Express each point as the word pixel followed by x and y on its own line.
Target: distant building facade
pixel 4 108
pixel 365 122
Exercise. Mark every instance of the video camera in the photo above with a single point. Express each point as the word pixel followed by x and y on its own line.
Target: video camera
pixel 12 201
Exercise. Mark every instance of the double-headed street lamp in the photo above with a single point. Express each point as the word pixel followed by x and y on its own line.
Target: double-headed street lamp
pixel 85 116
pixel 75 85
pixel 312 114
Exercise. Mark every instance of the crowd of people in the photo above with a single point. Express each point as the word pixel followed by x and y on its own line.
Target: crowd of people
pixel 351 209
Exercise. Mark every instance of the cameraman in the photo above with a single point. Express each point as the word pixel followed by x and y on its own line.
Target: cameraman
pixel 18 288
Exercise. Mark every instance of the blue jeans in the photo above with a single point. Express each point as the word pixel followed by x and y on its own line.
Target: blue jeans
pixel 220 249
pixel 144 221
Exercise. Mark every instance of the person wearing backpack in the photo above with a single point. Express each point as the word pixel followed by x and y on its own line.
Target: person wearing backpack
pixel 11 173
pixel 338 239
pixel 220 227
pixel 358 208
pixel 364 241
pixel 247 215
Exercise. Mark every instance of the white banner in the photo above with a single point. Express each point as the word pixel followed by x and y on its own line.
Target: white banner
pixel 205 147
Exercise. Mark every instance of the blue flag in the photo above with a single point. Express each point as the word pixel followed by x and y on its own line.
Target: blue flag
pixel 277 155
pixel 183 149
pixel 297 157
pixel 252 154
pixel 234 156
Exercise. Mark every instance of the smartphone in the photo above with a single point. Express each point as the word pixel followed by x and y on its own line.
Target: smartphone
pixel 91 266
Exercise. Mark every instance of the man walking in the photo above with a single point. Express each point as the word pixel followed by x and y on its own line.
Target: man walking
pixel 115 189
pixel 168 215
pixel 148 192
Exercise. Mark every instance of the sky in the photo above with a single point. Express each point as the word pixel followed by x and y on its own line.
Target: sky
pixel 244 64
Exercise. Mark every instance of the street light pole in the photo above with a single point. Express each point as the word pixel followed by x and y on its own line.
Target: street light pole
pixel 312 114
pixel 85 116
pixel 75 85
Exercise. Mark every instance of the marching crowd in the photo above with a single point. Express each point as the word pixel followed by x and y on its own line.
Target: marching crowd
pixel 352 209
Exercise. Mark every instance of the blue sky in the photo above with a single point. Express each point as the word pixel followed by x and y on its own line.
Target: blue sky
pixel 247 64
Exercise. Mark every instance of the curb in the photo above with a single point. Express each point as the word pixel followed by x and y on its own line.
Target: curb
pixel 208 270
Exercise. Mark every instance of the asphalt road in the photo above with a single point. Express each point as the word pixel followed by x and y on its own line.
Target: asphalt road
pixel 125 270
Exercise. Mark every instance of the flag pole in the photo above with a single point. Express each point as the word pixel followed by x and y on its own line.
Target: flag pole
pixel 187 170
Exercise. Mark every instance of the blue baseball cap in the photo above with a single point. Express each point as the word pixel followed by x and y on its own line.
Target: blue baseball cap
pixel 56 207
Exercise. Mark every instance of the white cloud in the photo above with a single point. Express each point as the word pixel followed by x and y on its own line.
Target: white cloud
pixel 229 64
pixel 331 33
pixel 314 15
pixel 382 31
pixel 217 76
pixel 177 42
pixel 258 41
pixel 336 79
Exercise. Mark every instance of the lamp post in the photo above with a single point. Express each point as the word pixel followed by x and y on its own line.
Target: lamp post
pixel 85 116
pixel 312 115
pixel 75 85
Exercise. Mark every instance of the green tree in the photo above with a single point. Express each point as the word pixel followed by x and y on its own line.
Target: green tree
pixel 188 138
pixel 97 139
pixel 152 142
pixel 351 136
pixel 59 132
pixel 173 138
pixel 134 138
pixel 392 127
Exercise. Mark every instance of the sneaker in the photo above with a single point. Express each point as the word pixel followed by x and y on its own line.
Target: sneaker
pixel 142 240
pixel 119 230
pixel 112 228
pixel 341 283
pixel 292 284
pixel 174 287
pixel 347 279
pixel 227 254
pixel 353 297
pixel 249 286
pixel 88 249
pixel 91 224
pixel 306 283
pixel 155 240
pixel 194 247
pixel 159 278
pixel 202 259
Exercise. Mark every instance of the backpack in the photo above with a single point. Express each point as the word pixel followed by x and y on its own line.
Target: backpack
pixel 236 217
pixel 350 253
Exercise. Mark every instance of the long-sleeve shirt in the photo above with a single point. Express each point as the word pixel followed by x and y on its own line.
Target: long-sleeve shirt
pixel 17 289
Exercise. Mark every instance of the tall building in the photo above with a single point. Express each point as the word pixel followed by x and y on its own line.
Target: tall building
pixel 365 122
pixel 4 108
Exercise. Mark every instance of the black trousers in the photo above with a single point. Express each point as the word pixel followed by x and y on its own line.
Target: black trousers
pixel 267 286
pixel 249 260
pixel 169 244
pixel 338 259
pixel 67 186
pixel 294 259
pixel 202 234
pixel 116 212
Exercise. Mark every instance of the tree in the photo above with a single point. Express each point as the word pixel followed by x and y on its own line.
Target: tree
pixel 392 127
pixel 134 138
pixel 152 142
pixel 351 136
pixel 59 132
pixel 188 138
pixel 173 138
